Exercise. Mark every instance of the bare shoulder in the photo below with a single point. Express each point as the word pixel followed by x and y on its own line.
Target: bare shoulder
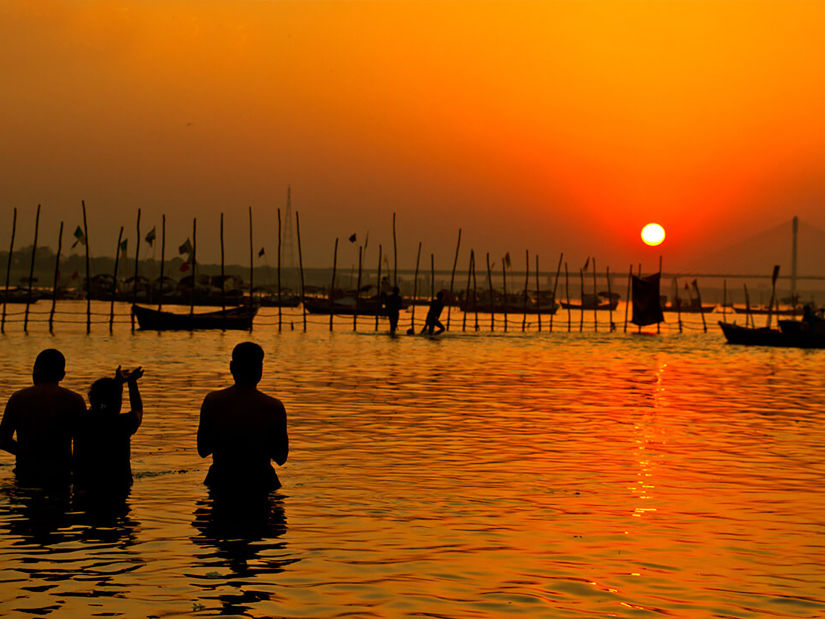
pixel 272 403
pixel 73 397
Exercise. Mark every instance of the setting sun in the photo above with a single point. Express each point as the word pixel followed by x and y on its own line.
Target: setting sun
pixel 653 234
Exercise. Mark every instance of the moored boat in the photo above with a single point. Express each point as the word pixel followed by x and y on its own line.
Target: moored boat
pixel 236 318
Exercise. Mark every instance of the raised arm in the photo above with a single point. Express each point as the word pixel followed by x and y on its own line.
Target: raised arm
pixel 135 401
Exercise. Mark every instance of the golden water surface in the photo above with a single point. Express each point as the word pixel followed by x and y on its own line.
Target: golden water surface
pixel 478 474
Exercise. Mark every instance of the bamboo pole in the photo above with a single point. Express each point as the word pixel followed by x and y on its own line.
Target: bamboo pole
pixel 301 270
pixel 251 266
pixel 581 305
pixel 555 289
pixel 223 280
pixel 748 317
pixel 610 326
pixel 467 296
pixel 770 302
pixel 452 278
pixel 432 276
pixel 114 281
pixel 31 271
pixel 659 300
pixel 332 284
pixel 194 265
pixel 627 298
pixel 492 303
pixel 411 330
pixel 567 294
pixel 163 257
pixel 88 275
pixel 678 302
pixel 280 313
pixel 8 270
pixel 504 288
pixel 595 299
pixel 378 281
pixel 724 300
pixel 394 254
pixel 475 290
pixel 56 277
pixel 358 290
pixel 538 294
pixel 701 313
pixel 137 263
pixel 526 284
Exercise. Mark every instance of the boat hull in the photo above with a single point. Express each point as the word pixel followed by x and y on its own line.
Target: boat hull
pixel 791 334
pixel 236 318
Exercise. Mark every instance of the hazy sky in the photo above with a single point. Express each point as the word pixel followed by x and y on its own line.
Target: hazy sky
pixel 542 125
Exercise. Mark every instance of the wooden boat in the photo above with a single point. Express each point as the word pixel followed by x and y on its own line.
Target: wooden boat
pixel 511 307
pixel 752 336
pixel 691 307
pixel 237 318
pixel 346 306
pixel 791 333
pixel 794 311
pixel 591 301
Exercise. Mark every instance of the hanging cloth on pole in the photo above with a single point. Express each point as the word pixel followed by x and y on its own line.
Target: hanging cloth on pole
pixel 647 308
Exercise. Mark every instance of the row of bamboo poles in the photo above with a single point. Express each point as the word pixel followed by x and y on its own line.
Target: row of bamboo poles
pixel 471 283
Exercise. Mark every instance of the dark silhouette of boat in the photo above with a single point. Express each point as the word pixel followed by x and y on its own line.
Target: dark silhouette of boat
pixel 591 301
pixel 755 310
pixel 237 318
pixel 791 333
pixel 688 307
pixel 346 306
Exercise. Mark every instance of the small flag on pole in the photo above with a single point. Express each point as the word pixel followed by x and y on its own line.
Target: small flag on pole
pixel 261 252
pixel 507 259
pixel 185 266
pixel 352 238
pixel 123 247
pixel 186 248
pixel 150 236
pixel 586 263
pixel 79 237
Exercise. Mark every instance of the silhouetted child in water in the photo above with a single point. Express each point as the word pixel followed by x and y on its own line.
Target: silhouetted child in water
pixel 103 442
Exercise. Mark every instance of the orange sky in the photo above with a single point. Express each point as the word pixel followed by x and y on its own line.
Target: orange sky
pixel 541 125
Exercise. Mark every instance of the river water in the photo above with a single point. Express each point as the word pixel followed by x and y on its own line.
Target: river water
pixel 470 475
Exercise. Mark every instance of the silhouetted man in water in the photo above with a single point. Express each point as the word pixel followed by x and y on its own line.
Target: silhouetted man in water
pixel 243 429
pixel 393 304
pixel 45 418
pixel 433 313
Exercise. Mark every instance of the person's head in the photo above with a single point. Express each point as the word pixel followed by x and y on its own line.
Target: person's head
pixel 439 295
pixel 49 367
pixel 395 290
pixel 106 396
pixel 247 363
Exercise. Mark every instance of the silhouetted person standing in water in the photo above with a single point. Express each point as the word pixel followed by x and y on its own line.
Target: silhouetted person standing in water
pixel 393 303
pixel 433 313
pixel 45 418
pixel 243 429
pixel 102 450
